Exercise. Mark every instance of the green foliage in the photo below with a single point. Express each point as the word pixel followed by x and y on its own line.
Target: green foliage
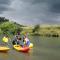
pixel 3 19
pixel 10 28
pixel 36 29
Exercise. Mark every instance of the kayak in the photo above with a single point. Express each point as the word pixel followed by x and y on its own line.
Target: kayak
pixel 21 49
pixel 4 49
pixel 31 45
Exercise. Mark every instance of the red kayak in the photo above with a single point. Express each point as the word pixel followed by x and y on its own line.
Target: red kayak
pixel 21 49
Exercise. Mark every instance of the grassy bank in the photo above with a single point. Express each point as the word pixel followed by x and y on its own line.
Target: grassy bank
pixel 51 30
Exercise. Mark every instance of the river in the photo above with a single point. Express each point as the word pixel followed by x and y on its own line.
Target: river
pixel 45 48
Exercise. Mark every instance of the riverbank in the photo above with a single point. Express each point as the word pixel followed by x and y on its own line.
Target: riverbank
pixel 11 28
pixel 49 31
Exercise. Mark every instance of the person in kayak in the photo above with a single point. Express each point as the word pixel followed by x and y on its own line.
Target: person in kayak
pixel 14 42
pixel 18 34
pixel 26 34
pixel 20 42
pixel 27 41
pixel 5 39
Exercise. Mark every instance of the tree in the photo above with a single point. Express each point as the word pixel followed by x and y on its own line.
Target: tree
pixel 36 29
pixel 10 27
pixel 3 19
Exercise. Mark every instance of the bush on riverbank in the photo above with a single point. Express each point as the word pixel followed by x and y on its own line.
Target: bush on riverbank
pixel 7 27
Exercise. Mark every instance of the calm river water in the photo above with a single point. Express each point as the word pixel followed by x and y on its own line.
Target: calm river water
pixel 45 48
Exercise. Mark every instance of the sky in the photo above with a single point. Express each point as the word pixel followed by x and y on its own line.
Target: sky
pixel 31 12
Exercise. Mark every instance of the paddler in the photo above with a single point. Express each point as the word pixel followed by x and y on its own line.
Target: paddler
pixel 5 39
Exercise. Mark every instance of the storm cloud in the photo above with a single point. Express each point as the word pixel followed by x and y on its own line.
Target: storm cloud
pixel 4 5
pixel 31 12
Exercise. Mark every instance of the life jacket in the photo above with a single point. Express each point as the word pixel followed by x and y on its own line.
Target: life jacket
pixel 27 42
pixel 26 39
pixel 5 39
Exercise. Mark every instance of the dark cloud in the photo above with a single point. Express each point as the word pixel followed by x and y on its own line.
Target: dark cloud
pixel 54 5
pixel 4 2
pixel 33 11
pixel 38 1
pixel 4 5
pixel 3 8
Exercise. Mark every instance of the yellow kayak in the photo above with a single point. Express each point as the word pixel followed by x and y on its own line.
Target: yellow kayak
pixel 21 49
pixel 31 45
pixel 4 49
